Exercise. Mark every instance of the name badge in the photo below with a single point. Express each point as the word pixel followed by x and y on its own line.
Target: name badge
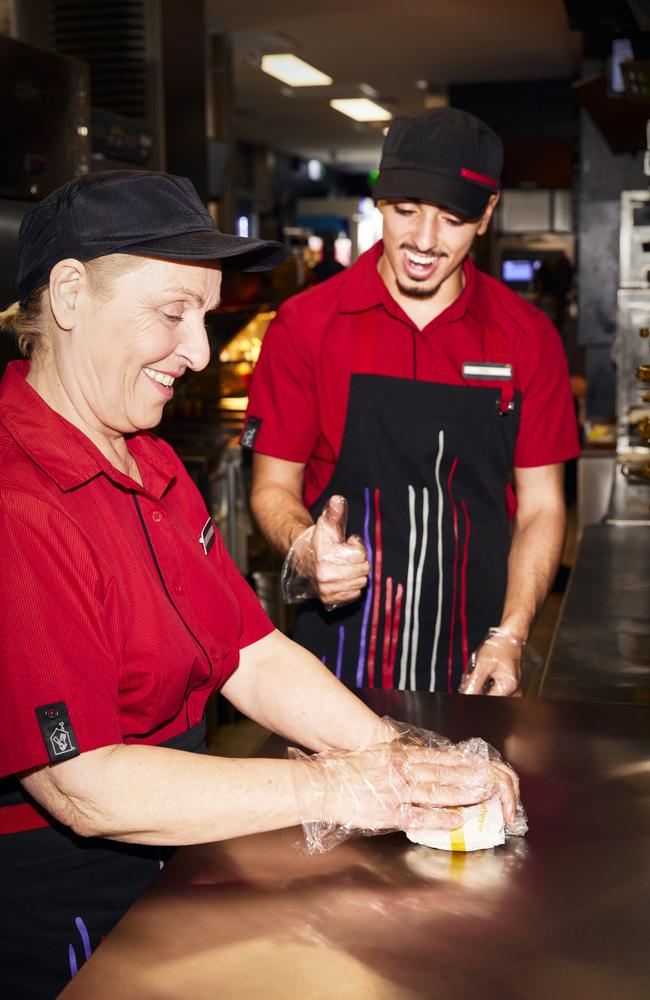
pixel 487 370
pixel 207 536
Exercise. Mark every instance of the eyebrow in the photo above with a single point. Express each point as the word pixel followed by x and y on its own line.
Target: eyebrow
pixel 187 292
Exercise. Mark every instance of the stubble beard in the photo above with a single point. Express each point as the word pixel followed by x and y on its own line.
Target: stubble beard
pixel 414 292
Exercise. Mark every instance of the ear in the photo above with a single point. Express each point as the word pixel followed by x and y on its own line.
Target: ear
pixel 68 280
pixel 487 214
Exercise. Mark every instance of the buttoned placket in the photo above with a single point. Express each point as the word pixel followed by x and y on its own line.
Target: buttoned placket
pixel 159 533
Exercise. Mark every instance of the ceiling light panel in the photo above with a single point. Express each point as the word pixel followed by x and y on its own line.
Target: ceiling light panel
pixel 361 109
pixel 294 71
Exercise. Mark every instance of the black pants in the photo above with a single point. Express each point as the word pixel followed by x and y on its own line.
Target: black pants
pixel 60 895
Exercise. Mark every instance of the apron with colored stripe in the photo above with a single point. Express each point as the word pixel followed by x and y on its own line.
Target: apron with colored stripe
pixel 424 467
pixel 61 893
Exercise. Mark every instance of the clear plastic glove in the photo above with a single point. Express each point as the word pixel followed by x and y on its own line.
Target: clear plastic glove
pixel 496 667
pixel 416 780
pixel 323 563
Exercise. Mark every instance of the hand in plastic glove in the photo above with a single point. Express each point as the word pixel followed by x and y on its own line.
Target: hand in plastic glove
pixel 399 785
pixel 323 563
pixel 495 668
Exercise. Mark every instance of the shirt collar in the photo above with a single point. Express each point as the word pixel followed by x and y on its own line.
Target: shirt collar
pixel 64 452
pixel 364 289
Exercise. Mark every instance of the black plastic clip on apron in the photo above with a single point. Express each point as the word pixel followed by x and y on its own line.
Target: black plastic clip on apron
pixel 424 467
pixel 61 894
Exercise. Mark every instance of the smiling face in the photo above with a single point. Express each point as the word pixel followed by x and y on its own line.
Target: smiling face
pixel 118 351
pixel 424 248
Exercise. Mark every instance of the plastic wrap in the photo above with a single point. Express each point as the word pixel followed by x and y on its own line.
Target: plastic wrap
pixel 506 661
pixel 323 563
pixel 415 780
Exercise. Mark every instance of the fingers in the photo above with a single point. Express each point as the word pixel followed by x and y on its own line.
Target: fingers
pixel 339 590
pixel 494 671
pixel 433 819
pixel 504 683
pixel 474 682
pixel 334 518
pixel 341 568
pixel 450 795
pixel 448 778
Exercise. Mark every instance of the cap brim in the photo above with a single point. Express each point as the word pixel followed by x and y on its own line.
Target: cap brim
pixel 453 193
pixel 237 252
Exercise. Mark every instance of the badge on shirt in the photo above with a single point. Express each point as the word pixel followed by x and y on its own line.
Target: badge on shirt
pixel 57 732
pixel 487 370
pixel 249 433
pixel 207 536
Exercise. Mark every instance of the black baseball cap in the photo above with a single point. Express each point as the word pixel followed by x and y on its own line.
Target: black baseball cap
pixel 139 212
pixel 444 156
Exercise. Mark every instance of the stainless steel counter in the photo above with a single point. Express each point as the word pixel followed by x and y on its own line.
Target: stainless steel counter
pixel 560 914
pixel 601 648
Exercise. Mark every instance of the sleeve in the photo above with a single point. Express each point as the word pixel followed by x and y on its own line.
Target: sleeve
pixel 255 623
pixel 548 430
pixel 282 416
pixel 53 642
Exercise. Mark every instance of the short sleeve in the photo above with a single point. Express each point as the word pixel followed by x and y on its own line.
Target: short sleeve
pixel 548 431
pixel 282 397
pixel 53 642
pixel 255 623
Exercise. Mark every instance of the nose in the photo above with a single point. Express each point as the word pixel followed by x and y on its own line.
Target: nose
pixel 194 347
pixel 427 229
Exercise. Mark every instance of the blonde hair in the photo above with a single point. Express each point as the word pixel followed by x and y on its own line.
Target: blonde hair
pixel 25 321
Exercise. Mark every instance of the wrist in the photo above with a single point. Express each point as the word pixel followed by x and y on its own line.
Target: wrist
pixel 296 532
pixel 518 637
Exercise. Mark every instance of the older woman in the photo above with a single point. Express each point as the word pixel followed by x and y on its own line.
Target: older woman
pixel 121 610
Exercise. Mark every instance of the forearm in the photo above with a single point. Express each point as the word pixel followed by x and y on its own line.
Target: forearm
pixel 534 558
pixel 158 796
pixel 280 514
pixel 288 690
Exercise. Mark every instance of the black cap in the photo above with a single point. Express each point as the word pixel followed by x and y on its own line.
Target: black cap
pixel 138 212
pixel 444 156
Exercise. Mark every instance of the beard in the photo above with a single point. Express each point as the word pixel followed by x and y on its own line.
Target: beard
pixel 417 291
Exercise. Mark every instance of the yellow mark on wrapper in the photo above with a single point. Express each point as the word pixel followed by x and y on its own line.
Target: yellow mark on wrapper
pixel 457 839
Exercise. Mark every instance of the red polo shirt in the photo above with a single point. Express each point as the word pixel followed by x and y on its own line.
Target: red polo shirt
pixel 109 602
pixel 299 391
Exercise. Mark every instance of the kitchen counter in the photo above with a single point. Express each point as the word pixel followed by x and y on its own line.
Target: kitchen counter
pixel 561 913
pixel 601 648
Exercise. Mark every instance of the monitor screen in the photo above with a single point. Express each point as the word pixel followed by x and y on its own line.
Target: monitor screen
pixel 519 271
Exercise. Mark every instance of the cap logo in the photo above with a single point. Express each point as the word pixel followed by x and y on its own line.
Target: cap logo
pixel 471 175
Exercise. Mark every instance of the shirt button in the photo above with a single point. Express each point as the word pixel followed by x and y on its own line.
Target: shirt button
pixel 178 589
pixel 156 516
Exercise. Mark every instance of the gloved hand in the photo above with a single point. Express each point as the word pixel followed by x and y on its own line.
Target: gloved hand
pixel 416 780
pixel 322 563
pixel 495 668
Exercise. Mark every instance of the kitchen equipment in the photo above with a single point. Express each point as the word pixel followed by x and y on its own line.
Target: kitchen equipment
pixel 632 342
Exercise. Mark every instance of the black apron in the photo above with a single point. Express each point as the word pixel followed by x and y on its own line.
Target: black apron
pixel 62 894
pixel 424 467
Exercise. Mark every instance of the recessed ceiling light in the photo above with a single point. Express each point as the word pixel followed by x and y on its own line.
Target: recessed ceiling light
pixel 294 71
pixel 361 109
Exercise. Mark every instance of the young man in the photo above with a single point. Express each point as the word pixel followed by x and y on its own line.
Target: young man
pixel 418 389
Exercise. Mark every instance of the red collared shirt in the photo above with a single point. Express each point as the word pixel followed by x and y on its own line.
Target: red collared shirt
pixel 109 602
pixel 299 390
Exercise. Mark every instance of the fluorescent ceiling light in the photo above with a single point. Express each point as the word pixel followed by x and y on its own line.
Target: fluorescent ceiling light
pixel 361 109
pixel 293 71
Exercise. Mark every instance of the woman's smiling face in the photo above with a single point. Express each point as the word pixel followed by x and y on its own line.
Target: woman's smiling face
pixel 130 345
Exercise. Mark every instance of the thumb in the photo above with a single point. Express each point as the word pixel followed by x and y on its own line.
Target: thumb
pixel 334 518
